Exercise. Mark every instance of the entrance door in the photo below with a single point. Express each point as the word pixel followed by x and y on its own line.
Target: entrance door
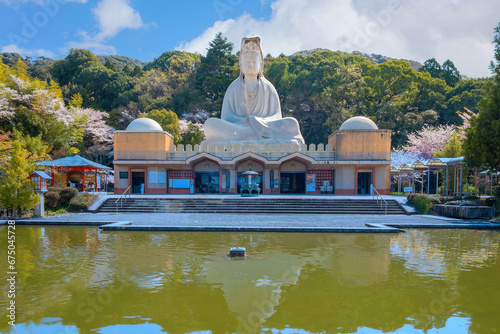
pixel 207 182
pixel 364 181
pixel 293 183
pixel 137 182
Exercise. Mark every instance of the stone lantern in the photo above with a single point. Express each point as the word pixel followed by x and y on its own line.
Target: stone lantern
pixel 250 189
pixel 40 179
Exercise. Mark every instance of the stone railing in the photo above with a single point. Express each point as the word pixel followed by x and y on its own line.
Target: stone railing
pixel 261 148
pixel 270 151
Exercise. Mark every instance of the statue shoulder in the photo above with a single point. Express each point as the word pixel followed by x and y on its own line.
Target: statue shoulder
pixel 234 85
pixel 268 86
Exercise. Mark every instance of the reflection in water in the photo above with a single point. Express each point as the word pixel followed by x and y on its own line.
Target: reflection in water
pixel 81 280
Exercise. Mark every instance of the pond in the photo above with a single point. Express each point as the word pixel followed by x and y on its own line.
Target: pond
pixel 83 280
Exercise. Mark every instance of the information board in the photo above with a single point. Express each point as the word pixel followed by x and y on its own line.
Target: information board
pixel 310 182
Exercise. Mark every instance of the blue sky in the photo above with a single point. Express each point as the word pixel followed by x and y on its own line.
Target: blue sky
pixel 459 30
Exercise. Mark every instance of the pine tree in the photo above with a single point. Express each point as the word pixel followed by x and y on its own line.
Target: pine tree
pixel 16 190
pixel 110 66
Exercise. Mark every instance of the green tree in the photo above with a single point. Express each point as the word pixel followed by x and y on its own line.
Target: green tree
pixel 168 120
pixel 110 66
pixel 192 136
pixel 432 67
pixel 465 94
pixel 452 149
pixel 67 69
pixel 390 91
pixel 483 136
pixel 126 69
pixel 447 72
pixel 153 91
pixel 450 73
pixel 217 70
pixel 16 189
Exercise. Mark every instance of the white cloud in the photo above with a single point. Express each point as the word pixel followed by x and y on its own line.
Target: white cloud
pixel 115 15
pixel 459 30
pixel 29 52
pixel 112 16
pixel 92 45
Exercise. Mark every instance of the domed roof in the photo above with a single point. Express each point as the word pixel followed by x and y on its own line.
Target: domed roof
pixel 359 123
pixel 144 125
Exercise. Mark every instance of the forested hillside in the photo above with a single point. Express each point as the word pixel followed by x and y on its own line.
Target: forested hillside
pixel 320 88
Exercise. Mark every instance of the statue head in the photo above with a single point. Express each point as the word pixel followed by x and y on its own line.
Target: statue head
pixel 251 59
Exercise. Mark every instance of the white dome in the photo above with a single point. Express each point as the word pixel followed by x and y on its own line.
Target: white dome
pixel 359 123
pixel 144 125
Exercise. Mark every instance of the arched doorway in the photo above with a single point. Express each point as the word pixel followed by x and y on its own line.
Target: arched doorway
pixel 207 177
pixel 293 177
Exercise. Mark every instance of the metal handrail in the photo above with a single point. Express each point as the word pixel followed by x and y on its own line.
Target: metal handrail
pixel 120 199
pixel 382 200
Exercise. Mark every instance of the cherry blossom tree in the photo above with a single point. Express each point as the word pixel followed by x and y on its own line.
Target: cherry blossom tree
pixel 466 115
pixel 97 136
pixel 35 108
pixel 191 125
pixel 429 139
pixel 199 117
pixel 401 157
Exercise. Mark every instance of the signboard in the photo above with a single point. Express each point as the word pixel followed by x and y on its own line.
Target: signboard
pixel 162 176
pixel 179 183
pixel 310 182
pixel 153 177
pixel 408 189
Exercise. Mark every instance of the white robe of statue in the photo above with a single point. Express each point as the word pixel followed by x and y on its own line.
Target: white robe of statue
pixel 251 111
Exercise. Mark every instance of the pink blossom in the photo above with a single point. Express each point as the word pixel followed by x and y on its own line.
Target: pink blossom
pixel 21 84
pixel 399 158
pixel 466 116
pixel 429 139
pixel 97 134
pixel 184 125
pixel 199 117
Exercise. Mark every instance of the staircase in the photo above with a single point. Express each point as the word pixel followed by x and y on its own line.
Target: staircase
pixel 239 205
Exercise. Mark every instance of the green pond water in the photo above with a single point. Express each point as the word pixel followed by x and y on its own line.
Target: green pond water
pixel 82 280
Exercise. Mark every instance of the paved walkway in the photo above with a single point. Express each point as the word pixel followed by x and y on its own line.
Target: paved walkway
pixel 276 223
pixel 259 222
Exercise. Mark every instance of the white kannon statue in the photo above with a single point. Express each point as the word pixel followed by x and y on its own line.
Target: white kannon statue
pixel 251 111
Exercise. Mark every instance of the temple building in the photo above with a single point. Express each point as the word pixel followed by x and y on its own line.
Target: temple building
pixel 253 138
pixel 356 156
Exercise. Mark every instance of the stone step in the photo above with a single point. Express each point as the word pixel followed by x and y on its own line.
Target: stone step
pixel 342 212
pixel 249 205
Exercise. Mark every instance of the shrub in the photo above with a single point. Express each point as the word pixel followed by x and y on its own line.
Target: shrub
pixel 436 200
pixel 490 201
pixel 54 189
pixel 468 188
pixel 423 204
pixel 411 198
pixel 82 201
pixel 471 198
pixel 67 194
pixel 51 199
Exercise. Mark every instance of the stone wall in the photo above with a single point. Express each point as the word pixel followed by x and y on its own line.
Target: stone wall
pixel 464 212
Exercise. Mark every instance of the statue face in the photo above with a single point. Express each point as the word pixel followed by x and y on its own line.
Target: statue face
pixel 250 61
